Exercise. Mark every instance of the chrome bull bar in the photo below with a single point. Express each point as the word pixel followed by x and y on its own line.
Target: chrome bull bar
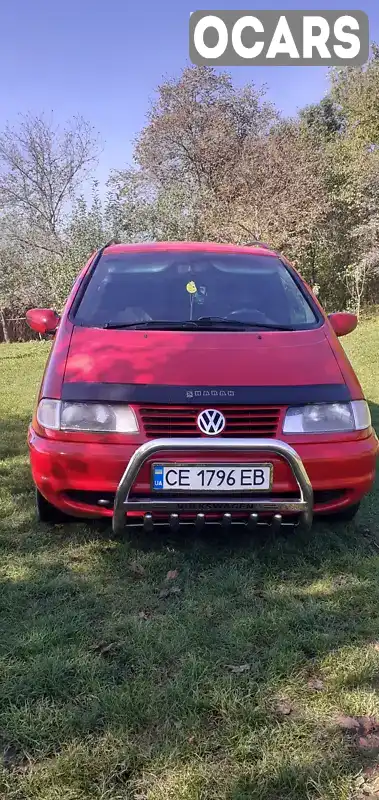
pixel 303 507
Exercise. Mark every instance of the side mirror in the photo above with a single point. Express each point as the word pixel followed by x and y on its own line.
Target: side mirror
pixel 343 323
pixel 42 320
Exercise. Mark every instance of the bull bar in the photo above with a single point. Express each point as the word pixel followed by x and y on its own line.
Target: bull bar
pixel 174 506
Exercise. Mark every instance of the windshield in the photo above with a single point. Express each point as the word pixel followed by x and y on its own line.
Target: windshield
pixel 166 287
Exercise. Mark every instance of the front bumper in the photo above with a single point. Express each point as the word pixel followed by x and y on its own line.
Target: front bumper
pixel 83 478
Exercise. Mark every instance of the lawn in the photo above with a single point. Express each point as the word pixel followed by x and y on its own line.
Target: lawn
pixel 226 679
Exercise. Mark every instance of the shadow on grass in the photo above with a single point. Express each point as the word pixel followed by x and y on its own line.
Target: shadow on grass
pixel 112 683
pixel 13 436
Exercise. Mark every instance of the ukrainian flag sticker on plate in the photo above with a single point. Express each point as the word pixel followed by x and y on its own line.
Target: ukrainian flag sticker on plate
pixel 157 477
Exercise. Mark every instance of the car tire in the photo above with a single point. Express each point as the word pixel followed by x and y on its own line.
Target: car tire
pixel 345 515
pixel 46 512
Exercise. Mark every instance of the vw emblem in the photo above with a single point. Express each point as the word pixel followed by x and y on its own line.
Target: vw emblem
pixel 211 422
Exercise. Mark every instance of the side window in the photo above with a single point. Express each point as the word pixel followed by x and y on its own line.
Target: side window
pixel 301 312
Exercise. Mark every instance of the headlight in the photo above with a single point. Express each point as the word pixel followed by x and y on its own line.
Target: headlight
pixel 95 417
pixel 328 418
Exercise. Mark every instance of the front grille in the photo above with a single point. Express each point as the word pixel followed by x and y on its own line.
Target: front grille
pixel 252 422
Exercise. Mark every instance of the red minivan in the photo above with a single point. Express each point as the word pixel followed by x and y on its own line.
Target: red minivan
pixel 195 383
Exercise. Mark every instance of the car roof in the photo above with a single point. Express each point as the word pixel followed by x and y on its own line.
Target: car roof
pixel 113 249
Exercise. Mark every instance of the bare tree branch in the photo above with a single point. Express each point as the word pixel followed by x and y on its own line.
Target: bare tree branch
pixel 42 166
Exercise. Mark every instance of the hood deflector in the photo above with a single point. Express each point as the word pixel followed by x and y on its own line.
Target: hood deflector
pixel 231 395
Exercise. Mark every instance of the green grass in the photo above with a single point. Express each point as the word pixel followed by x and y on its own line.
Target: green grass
pixel 160 715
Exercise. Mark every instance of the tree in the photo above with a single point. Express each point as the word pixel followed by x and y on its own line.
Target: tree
pixel 41 169
pixel 215 162
pixel 324 120
pixel 85 231
pixel 356 165
pixel 22 281
pixel 355 91
pixel 142 210
pixel 188 155
pixel 282 197
pixel 197 127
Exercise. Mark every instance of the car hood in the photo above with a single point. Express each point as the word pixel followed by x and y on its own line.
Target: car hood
pixel 167 358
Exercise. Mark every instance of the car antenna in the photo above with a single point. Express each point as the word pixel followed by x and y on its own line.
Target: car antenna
pixel 108 244
pixel 103 247
pixel 257 243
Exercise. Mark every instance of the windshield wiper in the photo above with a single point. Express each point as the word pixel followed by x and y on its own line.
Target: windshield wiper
pixel 238 323
pixel 161 324
pixel 204 323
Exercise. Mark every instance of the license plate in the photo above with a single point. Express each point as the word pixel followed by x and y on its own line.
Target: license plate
pixel 212 478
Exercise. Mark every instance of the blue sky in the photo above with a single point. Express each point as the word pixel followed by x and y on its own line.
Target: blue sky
pixel 104 58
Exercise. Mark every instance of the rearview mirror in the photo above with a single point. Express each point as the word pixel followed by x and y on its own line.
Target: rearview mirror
pixel 343 323
pixel 42 320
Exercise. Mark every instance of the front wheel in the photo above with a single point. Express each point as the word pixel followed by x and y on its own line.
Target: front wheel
pixel 46 512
